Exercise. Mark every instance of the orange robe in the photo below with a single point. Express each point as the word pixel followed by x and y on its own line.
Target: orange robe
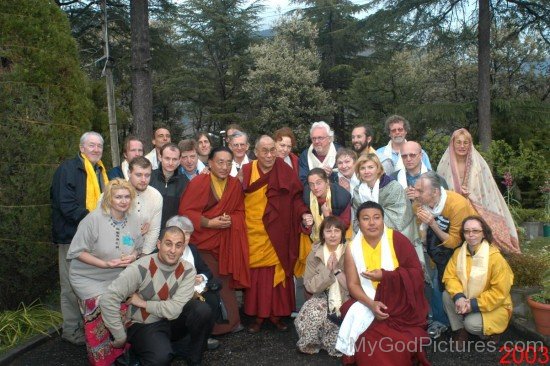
pixel 273 215
pixel 230 245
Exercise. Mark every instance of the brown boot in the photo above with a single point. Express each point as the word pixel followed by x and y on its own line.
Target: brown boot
pixel 459 339
pixel 256 326
pixel 279 324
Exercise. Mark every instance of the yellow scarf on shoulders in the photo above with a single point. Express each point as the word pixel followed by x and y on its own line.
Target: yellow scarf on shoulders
pixel 317 214
pixel 93 190
pixel 474 281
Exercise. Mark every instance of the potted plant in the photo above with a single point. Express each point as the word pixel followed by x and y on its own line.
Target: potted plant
pixel 540 305
pixel 527 269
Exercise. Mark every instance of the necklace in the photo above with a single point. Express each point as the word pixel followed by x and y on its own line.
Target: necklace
pixel 118 225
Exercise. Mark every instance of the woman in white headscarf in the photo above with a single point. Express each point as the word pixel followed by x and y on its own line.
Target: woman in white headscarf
pixel 467 173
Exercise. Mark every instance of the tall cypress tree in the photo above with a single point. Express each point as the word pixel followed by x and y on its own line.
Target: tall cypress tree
pixel 44 108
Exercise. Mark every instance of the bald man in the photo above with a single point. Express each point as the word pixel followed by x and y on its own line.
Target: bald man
pixel 274 209
pixel 412 156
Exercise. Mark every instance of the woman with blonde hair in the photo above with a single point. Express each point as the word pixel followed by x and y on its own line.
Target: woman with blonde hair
pixel 467 173
pixel 379 187
pixel 107 240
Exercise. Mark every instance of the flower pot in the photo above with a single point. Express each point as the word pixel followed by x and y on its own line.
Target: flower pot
pixel 519 300
pixel 546 230
pixel 541 315
pixel 533 229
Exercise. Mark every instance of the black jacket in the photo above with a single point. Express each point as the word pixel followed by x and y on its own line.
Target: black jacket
pixel 170 190
pixel 68 197
pixel 200 265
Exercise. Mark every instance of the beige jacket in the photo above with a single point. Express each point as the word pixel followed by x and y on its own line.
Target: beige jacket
pixel 317 277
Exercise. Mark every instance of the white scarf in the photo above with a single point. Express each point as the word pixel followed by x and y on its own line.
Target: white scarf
pixel 366 194
pixel 359 317
pixel 473 283
pixel 402 175
pixel 314 162
pixel 235 165
pixel 334 295
pixel 437 210
pixel 188 256
pixel 353 182
pixel 288 161
pixel 125 169
pixel 387 154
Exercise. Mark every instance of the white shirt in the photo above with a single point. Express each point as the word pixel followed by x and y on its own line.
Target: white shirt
pixel 148 207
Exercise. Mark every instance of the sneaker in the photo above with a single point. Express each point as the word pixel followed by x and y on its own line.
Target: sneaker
pixel 76 338
pixel 212 344
pixel 238 328
pixel 436 329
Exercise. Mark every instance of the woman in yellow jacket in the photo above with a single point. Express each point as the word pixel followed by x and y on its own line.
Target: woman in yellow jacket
pixel 477 285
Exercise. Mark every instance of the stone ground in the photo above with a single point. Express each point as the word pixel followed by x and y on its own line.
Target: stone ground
pixel 271 347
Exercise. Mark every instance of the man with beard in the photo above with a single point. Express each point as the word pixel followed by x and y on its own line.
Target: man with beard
pixel 361 138
pixel 397 128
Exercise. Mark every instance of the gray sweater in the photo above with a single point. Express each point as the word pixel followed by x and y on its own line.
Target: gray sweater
pixel 166 289
pixel 97 236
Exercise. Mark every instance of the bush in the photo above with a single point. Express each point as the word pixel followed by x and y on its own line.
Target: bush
pixel 528 269
pixel 44 108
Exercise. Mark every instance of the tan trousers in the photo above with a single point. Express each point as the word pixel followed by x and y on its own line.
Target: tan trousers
pixel 473 322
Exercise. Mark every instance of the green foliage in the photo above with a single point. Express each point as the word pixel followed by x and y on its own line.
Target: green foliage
pixel 529 214
pixel 528 269
pixel 16 326
pixel 44 108
pixel 526 163
pixel 435 144
pixel 544 295
pixel 283 86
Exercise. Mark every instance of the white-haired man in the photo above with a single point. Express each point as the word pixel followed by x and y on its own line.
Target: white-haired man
pixel 321 153
pixel 75 190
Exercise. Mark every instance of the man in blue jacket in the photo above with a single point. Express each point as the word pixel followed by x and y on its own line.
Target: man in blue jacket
pixel 76 186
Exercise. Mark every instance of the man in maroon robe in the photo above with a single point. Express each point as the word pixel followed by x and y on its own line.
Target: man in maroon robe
pixel 215 204
pixel 274 210
pixel 397 334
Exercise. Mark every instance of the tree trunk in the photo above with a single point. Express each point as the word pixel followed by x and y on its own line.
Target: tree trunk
pixel 142 95
pixel 484 70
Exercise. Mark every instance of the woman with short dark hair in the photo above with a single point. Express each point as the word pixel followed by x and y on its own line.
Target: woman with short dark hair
pixel 325 279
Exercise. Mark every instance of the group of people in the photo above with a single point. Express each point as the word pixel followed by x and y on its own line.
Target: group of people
pixel 153 252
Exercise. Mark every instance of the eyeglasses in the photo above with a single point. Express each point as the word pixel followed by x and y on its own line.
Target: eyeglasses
pixel 265 152
pixel 472 231
pixel 239 145
pixel 408 156
pixel 400 129
pixel 321 138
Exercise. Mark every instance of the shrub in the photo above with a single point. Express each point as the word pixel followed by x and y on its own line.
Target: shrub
pixel 528 269
pixel 44 108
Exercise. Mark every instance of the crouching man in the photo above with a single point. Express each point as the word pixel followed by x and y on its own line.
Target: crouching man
pixel 159 289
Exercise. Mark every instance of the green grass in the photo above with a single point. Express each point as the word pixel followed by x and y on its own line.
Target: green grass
pixel 17 326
